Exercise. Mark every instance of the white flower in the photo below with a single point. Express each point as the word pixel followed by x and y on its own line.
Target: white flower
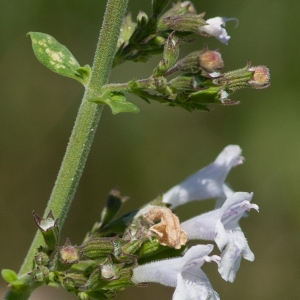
pixel 214 28
pixel 208 182
pixel 184 273
pixel 221 225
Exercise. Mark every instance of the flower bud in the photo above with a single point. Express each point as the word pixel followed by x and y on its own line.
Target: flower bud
pixel 131 247
pixel 109 270
pixel 207 60
pixel 190 63
pixel 142 18
pixel 94 281
pixel 66 256
pixel 185 83
pixel 97 248
pixel 210 61
pixel 83 296
pixel 53 276
pixel 69 254
pixel 108 276
pixel 170 55
pixel 159 40
pixel 253 77
pixel 73 281
pixel 48 228
pixel 260 78
pixel 41 258
pixel 123 280
pixel 150 247
pixel 39 273
pixel 182 23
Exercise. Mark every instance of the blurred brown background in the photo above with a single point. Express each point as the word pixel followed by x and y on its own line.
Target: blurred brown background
pixel 147 153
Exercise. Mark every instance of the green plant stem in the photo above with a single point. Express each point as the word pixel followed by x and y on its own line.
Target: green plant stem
pixel 124 87
pixel 84 129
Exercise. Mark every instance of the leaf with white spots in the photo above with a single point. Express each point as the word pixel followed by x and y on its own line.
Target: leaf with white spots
pixel 57 57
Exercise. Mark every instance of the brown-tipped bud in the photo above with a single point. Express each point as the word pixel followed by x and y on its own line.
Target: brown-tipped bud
pixel 69 254
pixel 260 78
pixel 48 228
pixel 207 60
pixel 253 77
pixel 66 256
pixel 210 61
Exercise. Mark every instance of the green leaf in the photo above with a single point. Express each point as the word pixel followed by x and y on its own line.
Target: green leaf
pixel 117 103
pixel 117 226
pixel 57 57
pixel 112 206
pixel 85 73
pixel 18 284
pixel 210 95
pixel 9 275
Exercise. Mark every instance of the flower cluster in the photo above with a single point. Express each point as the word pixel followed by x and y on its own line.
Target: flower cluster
pixel 199 80
pixel 220 225
pixel 132 249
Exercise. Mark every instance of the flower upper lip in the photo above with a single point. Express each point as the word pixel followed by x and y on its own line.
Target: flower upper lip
pixel 215 28
pixel 208 182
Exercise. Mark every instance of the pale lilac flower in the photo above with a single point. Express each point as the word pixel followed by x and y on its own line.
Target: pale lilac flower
pixel 208 182
pixel 184 273
pixel 215 28
pixel 221 225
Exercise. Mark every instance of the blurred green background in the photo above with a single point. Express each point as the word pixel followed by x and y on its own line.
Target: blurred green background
pixel 147 153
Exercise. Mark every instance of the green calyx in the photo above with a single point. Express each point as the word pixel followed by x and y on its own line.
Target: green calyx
pixel 49 228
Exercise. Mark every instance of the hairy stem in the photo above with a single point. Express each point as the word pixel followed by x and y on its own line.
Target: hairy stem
pixel 84 128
